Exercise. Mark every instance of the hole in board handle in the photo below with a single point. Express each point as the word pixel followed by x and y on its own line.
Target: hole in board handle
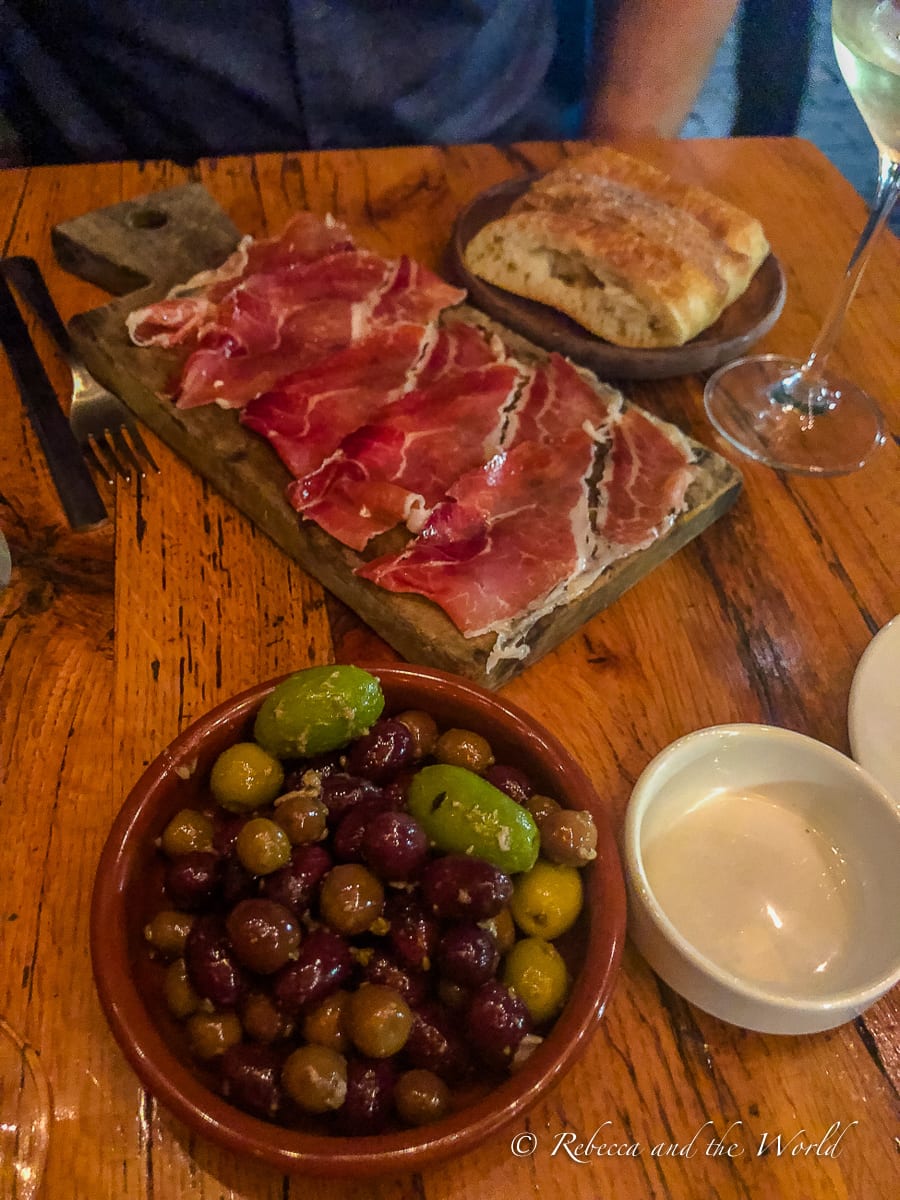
pixel 147 218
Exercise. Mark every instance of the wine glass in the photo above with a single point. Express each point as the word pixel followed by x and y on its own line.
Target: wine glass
pixel 25 1115
pixel 802 416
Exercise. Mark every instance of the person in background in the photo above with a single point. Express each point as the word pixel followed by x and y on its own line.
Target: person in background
pixel 774 47
pixel 88 80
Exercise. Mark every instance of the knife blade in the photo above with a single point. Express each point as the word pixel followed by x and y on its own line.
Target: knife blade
pixel 25 275
pixel 77 491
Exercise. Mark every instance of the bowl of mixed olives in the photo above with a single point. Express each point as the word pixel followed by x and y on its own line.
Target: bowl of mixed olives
pixel 356 920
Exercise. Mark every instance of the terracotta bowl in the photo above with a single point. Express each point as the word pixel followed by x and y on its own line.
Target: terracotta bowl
pixel 127 891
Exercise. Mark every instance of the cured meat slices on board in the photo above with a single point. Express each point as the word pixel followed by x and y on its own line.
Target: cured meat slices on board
pixel 414 294
pixel 397 467
pixel 524 484
pixel 647 476
pixel 579 485
pixel 280 305
pixel 557 399
pixel 184 316
pixel 274 324
pixel 308 414
pixel 506 536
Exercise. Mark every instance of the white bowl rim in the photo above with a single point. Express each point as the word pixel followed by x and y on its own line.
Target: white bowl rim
pixel 859 997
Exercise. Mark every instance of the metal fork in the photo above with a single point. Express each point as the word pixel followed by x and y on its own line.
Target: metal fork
pixel 99 420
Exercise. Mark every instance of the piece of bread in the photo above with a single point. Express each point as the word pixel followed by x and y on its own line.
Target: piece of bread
pixel 628 253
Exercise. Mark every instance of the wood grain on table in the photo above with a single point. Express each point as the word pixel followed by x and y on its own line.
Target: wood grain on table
pixel 111 642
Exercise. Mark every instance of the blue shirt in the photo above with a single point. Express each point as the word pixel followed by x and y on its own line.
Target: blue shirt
pixel 110 79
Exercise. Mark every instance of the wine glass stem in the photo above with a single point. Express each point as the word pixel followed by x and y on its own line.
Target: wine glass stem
pixel 885 197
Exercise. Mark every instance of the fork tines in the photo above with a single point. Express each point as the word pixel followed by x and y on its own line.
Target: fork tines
pixel 110 453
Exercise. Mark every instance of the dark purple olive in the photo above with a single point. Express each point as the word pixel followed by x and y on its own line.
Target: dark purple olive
pixel 347 841
pixel 236 882
pixel 511 780
pixel 461 887
pixel 212 967
pixel 412 985
pixel 341 792
pixel 496 1021
pixel 323 963
pixel 264 935
pixel 413 933
pixel 296 884
pixel 370 1088
pixel 382 752
pixel 226 827
pixel 394 845
pixel 396 792
pixel 250 1078
pixel 436 1044
pixel 467 955
pixel 192 879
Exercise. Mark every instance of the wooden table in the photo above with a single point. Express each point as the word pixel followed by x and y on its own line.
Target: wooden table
pixel 110 642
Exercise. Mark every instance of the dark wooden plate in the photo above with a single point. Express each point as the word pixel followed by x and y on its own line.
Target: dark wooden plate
pixel 740 325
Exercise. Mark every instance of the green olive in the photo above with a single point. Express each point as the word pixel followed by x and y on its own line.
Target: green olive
pixel 212 1033
pixel 263 1021
pixel 302 817
pixel 262 846
pixel 420 1097
pixel 167 931
pixel 569 837
pixel 464 814
pixel 245 777
pixel 317 710
pixel 541 807
pixel 423 728
pixel 535 971
pixel 187 831
pixel 464 748
pixel 379 1020
pixel 351 898
pixel 315 1077
pixel 547 899
pixel 181 999
pixel 326 1024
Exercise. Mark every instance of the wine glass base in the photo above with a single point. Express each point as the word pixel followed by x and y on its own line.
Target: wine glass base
pixel 836 434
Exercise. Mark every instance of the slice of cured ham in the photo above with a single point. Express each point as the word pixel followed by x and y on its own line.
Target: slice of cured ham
pixel 279 305
pixel 189 311
pixel 558 400
pixel 648 472
pixel 278 323
pixel 459 347
pixel 532 528
pixel 396 468
pixel 309 413
pixel 415 294
pixel 504 539
pixel 175 321
pixel 513 530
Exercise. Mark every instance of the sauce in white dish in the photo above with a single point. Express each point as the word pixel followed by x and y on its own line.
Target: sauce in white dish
pixel 755 887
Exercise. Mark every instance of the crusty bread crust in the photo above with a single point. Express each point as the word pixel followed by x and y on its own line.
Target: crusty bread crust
pixel 725 221
pixel 631 255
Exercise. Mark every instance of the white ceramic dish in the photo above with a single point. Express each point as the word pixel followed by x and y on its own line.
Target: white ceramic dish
pixel 874 710
pixel 763 872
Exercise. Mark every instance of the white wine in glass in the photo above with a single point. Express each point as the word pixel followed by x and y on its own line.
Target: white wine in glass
pixel 802 416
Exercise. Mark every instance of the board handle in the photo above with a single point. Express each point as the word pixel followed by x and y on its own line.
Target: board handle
pixel 155 241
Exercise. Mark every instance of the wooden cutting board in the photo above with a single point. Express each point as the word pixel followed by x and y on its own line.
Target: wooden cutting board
pixel 145 246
